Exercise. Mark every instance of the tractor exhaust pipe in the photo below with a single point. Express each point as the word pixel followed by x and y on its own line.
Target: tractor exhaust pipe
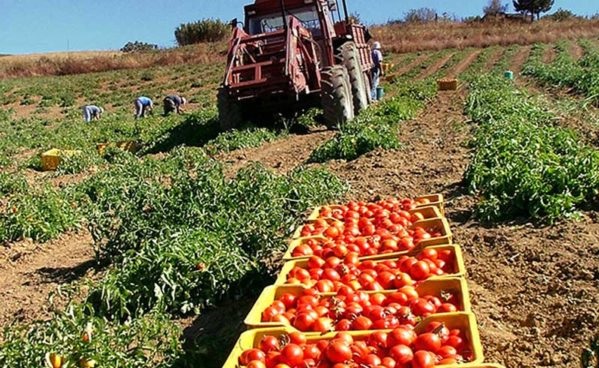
pixel 345 11
pixel 284 13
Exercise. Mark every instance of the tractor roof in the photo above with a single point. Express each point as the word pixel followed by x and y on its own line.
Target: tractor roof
pixel 266 6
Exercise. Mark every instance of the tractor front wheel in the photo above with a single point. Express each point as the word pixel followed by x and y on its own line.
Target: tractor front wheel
pixel 229 112
pixel 337 102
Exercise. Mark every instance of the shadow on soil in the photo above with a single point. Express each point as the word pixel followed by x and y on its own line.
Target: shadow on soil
pixel 194 131
pixel 63 275
pixel 210 337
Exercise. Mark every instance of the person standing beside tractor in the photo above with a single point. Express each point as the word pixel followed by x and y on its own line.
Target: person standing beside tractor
pixel 92 112
pixel 174 103
pixel 143 105
pixel 377 71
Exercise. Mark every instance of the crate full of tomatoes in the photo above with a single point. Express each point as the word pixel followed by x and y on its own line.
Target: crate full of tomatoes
pixel 440 340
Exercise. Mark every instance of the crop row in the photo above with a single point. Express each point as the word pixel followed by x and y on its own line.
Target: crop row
pixel 523 164
pixel 581 76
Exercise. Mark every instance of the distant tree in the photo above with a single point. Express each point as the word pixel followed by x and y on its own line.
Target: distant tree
pixel 421 15
pixel 138 46
pixel 561 15
pixel 355 18
pixel 533 7
pixel 205 30
pixel 495 7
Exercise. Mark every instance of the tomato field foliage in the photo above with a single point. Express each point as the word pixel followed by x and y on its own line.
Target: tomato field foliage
pixel 376 127
pixel 39 213
pixel 76 337
pixel 524 165
pixel 180 234
pixel 582 76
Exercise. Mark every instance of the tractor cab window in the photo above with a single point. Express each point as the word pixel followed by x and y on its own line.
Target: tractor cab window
pixel 274 22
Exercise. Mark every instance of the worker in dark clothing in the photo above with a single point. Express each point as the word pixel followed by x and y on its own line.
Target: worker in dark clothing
pixel 174 103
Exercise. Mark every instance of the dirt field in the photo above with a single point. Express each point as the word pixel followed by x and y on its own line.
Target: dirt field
pixel 534 288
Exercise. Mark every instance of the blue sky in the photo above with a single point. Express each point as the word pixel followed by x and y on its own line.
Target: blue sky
pixel 31 26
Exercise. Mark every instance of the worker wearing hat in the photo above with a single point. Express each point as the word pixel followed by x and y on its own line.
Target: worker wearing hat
pixel 92 112
pixel 174 103
pixel 377 71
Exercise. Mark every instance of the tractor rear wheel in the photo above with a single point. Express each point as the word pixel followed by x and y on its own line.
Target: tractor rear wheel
pixel 336 96
pixel 229 112
pixel 348 56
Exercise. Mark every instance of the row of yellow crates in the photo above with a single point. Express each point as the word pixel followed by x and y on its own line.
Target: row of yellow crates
pixel 452 282
pixel 52 158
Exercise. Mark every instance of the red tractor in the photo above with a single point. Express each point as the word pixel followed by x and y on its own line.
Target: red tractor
pixel 296 53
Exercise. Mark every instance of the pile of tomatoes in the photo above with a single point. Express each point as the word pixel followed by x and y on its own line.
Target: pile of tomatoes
pixel 397 348
pixel 371 210
pixel 368 229
pixel 332 274
pixel 349 310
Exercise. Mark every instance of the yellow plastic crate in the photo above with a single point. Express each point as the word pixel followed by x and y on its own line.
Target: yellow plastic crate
pixel 434 200
pixel 463 320
pixel 447 84
pixel 52 158
pixel 439 224
pixel 470 365
pixel 455 285
pixel 131 146
pixel 458 261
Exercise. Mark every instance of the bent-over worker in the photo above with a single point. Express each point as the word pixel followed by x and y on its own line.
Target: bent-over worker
pixel 174 103
pixel 92 112
pixel 143 105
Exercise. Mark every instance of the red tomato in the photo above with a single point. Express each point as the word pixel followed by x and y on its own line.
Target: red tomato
pixel 372 360
pixel 447 352
pixel 389 362
pixel 420 270
pixel 256 364
pixel 428 341
pixel 297 338
pixel 311 351
pixel 338 352
pixel 361 323
pixel 250 355
pixel 401 336
pixel 422 307
pixel 269 343
pixel 292 354
pixel 323 324
pixel 378 339
pixel 423 359
pixel 402 354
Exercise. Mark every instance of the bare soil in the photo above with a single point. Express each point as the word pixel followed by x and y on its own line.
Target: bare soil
pixel 283 155
pixel 463 65
pixel 493 59
pixel 520 59
pixel 434 67
pixel 416 62
pixel 30 272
